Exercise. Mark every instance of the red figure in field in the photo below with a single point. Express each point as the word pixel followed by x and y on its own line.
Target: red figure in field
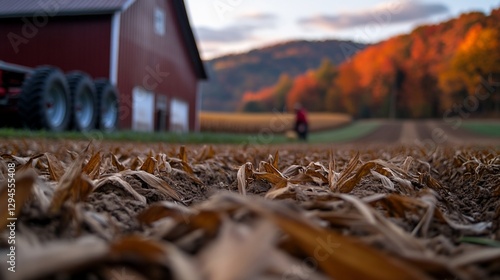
pixel 301 125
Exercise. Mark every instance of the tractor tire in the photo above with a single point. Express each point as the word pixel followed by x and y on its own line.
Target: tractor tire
pixel 83 101
pixel 107 103
pixel 44 102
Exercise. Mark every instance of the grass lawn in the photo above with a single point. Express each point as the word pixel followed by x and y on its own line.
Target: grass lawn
pixel 484 128
pixel 350 132
pixel 346 133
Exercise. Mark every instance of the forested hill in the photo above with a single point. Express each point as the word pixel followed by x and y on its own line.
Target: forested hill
pixel 447 70
pixel 232 75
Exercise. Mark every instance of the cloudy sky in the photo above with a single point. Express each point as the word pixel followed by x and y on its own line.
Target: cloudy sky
pixel 229 26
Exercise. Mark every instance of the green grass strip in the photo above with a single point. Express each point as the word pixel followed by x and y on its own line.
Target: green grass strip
pixel 486 128
pixel 127 135
pixel 346 133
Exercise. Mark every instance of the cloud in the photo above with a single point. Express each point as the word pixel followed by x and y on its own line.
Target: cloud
pixel 231 34
pixel 247 24
pixel 258 16
pixel 388 13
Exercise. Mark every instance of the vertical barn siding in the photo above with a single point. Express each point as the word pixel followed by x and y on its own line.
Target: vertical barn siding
pixel 141 49
pixel 71 43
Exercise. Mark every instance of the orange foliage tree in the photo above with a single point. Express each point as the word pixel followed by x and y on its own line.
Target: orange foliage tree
pixel 421 74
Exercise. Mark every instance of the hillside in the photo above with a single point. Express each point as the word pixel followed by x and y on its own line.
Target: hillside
pixel 449 70
pixel 232 75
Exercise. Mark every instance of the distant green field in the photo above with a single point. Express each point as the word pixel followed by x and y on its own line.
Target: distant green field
pixel 484 128
pixel 345 133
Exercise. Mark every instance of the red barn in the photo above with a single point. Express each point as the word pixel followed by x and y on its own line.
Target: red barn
pixel 144 47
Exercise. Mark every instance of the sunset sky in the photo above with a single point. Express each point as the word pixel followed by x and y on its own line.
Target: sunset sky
pixel 229 26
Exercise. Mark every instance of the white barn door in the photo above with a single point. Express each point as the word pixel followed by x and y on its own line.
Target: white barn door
pixel 142 109
pixel 179 115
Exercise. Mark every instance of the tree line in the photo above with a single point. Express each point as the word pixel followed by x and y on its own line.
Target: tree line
pixel 436 70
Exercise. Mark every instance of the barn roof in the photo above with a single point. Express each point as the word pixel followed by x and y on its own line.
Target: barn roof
pixel 187 33
pixel 20 8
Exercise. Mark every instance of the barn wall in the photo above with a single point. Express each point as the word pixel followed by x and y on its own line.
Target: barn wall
pixel 159 64
pixel 77 42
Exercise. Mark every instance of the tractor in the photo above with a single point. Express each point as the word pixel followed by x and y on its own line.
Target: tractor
pixel 45 98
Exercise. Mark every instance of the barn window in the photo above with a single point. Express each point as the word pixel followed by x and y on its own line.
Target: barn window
pixel 159 23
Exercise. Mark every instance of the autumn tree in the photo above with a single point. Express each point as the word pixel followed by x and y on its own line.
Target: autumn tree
pixel 305 90
pixel 477 57
pixel 281 90
pixel 350 90
pixel 325 76
pixel 259 101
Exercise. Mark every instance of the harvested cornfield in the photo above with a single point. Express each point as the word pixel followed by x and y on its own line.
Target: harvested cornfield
pixel 131 211
pixel 276 122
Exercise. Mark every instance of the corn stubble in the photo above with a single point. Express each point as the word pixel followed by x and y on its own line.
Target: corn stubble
pixel 165 212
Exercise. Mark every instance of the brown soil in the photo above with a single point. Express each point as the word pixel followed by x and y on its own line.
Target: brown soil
pixel 461 182
pixel 424 134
